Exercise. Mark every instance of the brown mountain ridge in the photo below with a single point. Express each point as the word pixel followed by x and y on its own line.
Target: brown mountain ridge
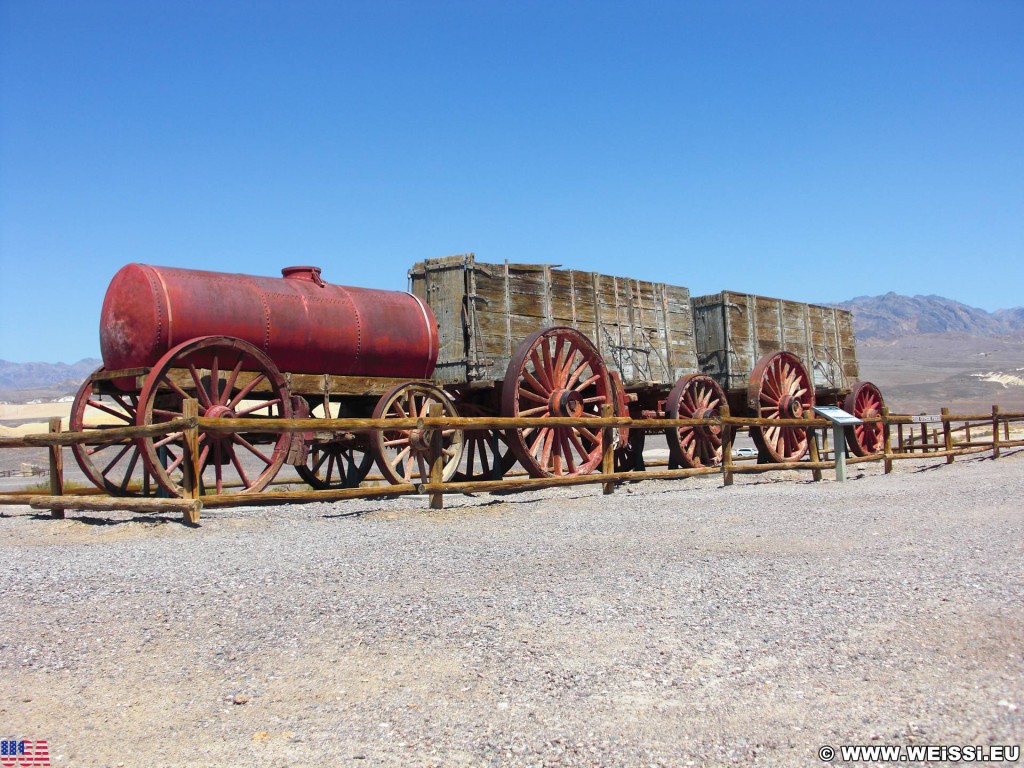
pixel 894 316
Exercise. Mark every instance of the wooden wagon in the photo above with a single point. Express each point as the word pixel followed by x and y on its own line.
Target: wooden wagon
pixel 477 339
pixel 515 338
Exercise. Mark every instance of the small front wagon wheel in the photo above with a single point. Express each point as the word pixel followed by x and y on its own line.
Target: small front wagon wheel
pixel 403 454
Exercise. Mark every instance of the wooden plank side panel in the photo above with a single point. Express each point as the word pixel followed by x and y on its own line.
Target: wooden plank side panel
pixel 445 292
pixel 644 330
pixel 825 359
pixel 710 337
pixel 847 345
pixel 767 325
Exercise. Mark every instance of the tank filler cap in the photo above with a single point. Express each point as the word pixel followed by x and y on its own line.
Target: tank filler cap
pixel 312 274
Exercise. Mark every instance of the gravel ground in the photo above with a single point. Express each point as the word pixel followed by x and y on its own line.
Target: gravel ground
pixel 672 624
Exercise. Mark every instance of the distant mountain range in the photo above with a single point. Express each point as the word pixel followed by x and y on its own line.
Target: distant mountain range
pixel 893 316
pixel 26 381
pixel 876 320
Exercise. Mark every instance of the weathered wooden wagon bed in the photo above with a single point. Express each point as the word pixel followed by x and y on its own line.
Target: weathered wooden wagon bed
pixel 666 355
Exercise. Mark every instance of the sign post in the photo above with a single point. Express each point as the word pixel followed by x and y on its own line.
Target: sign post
pixel 840 420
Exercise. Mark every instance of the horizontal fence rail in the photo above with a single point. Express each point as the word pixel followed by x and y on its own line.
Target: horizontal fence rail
pixel 915 437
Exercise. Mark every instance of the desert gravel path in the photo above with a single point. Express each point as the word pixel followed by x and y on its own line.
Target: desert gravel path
pixel 673 624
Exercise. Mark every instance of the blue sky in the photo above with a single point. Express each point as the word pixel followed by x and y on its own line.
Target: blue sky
pixel 808 150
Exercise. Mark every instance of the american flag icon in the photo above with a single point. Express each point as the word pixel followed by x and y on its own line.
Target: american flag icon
pixel 20 753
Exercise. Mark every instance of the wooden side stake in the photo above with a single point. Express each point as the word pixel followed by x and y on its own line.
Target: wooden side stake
pixel 812 444
pixel 995 431
pixel 947 435
pixel 887 440
pixel 727 434
pixel 192 481
pixel 436 411
pixel 608 450
pixel 56 468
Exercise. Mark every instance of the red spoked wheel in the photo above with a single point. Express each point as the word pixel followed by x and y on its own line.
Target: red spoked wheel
pixel 403 455
pixel 865 402
pixel 117 468
pixel 341 461
pixel 230 378
pixel 696 396
pixel 556 372
pixel 487 455
pixel 780 388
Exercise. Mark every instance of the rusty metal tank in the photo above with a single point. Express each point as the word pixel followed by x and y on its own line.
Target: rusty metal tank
pixel 304 324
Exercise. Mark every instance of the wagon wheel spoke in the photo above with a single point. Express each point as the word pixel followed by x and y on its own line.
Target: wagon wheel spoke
pixel 203 395
pixel 253 450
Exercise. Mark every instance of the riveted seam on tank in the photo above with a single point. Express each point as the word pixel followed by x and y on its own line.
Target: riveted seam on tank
pixel 266 320
pixel 158 291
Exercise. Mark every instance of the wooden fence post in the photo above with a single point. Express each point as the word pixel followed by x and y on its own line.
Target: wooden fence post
pixel 192 482
pixel 947 435
pixel 727 435
pixel 887 441
pixel 56 468
pixel 436 411
pixel 812 444
pixel 608 449
pixel 995 431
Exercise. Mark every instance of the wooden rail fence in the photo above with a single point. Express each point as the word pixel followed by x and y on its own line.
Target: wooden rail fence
pixel 915 436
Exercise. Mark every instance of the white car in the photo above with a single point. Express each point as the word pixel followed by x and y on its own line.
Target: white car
pixel 741 452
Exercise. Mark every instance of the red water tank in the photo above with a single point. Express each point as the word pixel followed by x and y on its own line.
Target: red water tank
pixel 303 324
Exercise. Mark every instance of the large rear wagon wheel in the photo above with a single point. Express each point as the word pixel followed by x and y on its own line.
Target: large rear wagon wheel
pixel 230 378
pixel 865 402
pixel 780 388
pixel 556 372
pixel 117 468
pixel 697 396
